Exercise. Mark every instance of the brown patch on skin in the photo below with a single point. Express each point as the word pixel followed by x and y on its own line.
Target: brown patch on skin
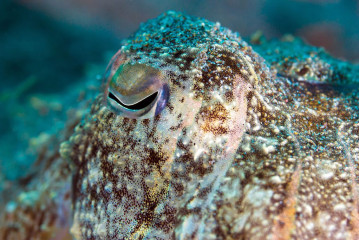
pixel 284 225
pixel 214 118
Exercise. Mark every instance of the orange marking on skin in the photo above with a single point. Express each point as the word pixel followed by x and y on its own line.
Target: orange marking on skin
pixel 355 216
pixel 284 224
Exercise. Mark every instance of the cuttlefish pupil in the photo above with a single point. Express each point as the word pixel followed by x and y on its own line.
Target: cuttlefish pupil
pixel 137 106
pixel 136 90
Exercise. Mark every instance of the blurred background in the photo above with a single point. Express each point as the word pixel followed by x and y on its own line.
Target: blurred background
pixel 49 46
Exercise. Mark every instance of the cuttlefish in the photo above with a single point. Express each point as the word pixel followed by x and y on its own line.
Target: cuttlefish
pixel 194 135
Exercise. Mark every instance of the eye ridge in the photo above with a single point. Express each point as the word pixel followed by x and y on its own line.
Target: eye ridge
pixel 137 106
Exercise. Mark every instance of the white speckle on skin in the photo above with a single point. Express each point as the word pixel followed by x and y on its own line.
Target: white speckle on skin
pixel 310 226
pixel 198 153
pixel 339 207
pixel 307 210
pixel 327 175
pixel 93 176
pixel 275 179
pixel 101 230
pixel 257 196
pixel 290 159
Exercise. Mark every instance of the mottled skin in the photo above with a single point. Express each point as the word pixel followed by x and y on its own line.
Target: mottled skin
pixel 237 152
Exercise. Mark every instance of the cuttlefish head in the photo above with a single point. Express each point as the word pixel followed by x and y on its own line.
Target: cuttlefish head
pixel 162 131
pixel 155 138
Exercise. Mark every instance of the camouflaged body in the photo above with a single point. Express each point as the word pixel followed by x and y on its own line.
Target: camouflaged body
pixel 238 152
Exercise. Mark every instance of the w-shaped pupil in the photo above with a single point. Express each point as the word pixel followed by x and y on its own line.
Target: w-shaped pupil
pixel 137 106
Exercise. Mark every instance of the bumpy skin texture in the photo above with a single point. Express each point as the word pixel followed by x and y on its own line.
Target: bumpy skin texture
pixel 238 152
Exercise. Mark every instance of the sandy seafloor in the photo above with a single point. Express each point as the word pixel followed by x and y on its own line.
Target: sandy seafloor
pixel 52 53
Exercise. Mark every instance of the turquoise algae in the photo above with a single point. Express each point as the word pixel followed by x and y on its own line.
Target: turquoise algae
pixel 195 136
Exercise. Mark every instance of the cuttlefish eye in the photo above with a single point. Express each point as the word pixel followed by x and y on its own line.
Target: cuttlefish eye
pixel 136 90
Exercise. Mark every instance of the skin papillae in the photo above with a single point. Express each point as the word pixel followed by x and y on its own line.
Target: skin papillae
pixel 243 149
